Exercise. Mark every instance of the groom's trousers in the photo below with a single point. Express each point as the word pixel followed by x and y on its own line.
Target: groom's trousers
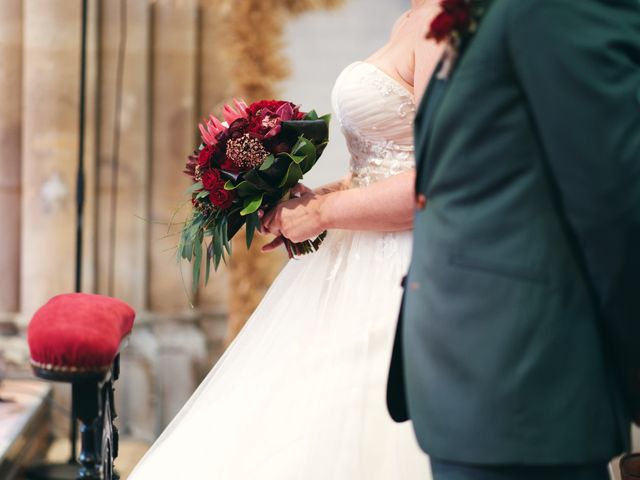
pixel 455 471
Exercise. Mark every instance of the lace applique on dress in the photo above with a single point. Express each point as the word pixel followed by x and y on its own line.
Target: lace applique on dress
pixel 376 115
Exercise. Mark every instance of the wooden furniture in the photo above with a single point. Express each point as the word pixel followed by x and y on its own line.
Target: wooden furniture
pixel 25 431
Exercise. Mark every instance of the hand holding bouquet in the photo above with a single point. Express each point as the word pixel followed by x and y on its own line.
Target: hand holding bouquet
pixel 246 164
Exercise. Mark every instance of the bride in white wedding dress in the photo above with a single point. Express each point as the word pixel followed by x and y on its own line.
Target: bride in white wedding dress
pixel 300 394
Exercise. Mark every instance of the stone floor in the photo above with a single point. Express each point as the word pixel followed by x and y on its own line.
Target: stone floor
pixel 131 451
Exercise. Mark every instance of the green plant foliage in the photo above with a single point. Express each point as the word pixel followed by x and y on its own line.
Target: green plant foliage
pixel 258 189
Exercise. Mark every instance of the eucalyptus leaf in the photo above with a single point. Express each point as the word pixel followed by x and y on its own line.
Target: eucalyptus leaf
pixel 207 271
pixel 197 263
pixel 253 222
pixel 217 241
pixel 194 188
pixel 216 259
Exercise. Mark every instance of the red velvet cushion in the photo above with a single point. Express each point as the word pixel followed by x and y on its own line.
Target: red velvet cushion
pixel 79 330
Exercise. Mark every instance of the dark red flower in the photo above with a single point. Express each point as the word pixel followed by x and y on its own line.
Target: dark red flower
pixel 211 180
pixel 238 128
pixel 271 106
pixel 265 117
pixel 204 157
pixel 214 184
pixel 455 16
pixel 218 157
pixel 192 163
pixel 442 26
pixel 222 198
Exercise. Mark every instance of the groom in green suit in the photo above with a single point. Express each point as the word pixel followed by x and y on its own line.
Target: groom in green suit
pixel 518 350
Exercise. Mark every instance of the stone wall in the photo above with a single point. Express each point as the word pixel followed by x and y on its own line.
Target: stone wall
pixel 172 78
pixel 176 70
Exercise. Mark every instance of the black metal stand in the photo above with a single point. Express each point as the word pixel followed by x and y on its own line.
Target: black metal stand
pixel 99 435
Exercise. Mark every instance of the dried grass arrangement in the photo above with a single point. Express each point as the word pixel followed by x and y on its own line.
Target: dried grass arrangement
pixel 254 36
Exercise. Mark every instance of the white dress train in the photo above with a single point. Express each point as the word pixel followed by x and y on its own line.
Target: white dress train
pixel 300 394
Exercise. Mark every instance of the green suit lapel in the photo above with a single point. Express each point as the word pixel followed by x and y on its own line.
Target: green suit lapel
pixel 428 108
pixel 423 126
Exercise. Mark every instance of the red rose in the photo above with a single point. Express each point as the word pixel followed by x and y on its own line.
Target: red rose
pixel 441 27
pixel 455 17
pixel 266 116
pixel 271 106
pixel 221 198
pixel 214 184
pixel 204 157
pixel 212 181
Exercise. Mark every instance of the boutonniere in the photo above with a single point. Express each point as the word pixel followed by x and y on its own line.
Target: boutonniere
pixel 455 24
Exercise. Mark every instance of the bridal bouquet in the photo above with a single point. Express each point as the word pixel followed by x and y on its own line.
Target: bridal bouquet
pixel 247 163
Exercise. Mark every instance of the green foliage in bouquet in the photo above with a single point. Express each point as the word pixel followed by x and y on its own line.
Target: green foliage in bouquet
pixel 222 207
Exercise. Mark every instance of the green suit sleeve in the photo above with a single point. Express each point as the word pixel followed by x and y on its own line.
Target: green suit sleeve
pixel 578 63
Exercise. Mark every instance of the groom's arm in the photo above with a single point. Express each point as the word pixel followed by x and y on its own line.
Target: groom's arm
pixel 578 63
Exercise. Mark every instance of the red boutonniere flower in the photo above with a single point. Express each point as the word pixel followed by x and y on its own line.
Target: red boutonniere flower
pixel 456 22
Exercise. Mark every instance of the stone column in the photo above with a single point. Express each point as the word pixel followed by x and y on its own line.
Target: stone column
pixel 174 136
pixel 122 271
pixel 50 143
pixel 10 151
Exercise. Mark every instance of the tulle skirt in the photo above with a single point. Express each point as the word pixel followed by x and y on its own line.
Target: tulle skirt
pixel 300 394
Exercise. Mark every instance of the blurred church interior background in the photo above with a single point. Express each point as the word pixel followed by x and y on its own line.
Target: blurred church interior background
pixel 155 69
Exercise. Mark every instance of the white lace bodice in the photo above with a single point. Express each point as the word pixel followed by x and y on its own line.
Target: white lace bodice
pixel 376 116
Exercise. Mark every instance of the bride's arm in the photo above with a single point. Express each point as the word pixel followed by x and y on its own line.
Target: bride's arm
pixel 336 186
pixel 384 206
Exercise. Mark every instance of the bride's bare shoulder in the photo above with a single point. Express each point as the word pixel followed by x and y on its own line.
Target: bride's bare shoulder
pixel 415 21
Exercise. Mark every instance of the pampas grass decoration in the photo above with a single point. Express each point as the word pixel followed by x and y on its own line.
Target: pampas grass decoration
pixel 300 6
pixel 254 42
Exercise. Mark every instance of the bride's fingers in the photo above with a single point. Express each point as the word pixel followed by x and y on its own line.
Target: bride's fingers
pixel 265 222
pixel 271 223
pixel 300 189
pixel 261 227
pixel 273 244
